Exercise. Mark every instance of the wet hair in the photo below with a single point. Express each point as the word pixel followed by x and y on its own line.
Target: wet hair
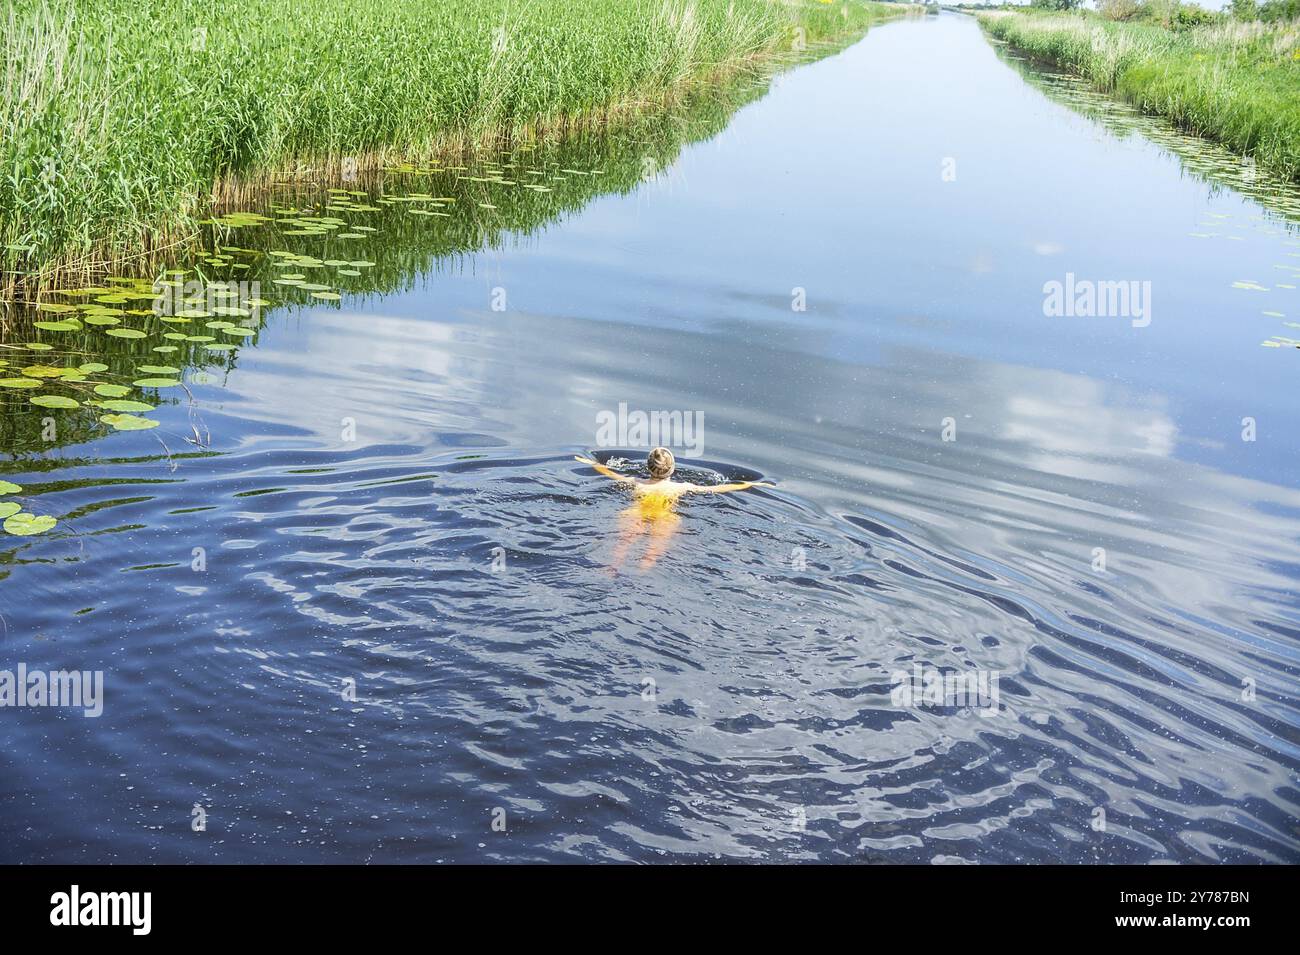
pixel 660 463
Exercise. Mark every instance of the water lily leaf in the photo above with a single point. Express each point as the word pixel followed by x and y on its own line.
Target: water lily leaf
pixel 128 422
pixel 54 401
pixel 92 368
pixel 327 296
pixel 112 391
pixel 155 382
pixel 125 333
pixel 8 487
pixel 101 320
pixel 64 326
pixel 23 524
pixel 159 369
pixel 126 405
pixel 9 509
pixel 20 383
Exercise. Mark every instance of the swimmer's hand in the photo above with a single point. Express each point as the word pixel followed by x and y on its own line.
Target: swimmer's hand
pixel 604 470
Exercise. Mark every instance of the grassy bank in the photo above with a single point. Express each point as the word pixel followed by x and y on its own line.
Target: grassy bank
pixel 118 118
pixel 1235 82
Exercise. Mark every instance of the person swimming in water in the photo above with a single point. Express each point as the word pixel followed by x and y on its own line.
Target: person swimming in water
pixel 656 497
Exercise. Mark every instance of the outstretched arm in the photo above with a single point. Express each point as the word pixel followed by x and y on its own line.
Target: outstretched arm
pixel 608 472
pixel 724 488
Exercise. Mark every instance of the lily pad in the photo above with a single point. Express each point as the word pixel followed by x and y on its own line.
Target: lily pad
pixel 159 369
pixel 112 391
pixel 126 405
pixel 9 509
pixel 128 422
pixel 20 383
pixel 23 524
pixel 155 382
pixel 54 401
pixel 8 487
pixel 125 333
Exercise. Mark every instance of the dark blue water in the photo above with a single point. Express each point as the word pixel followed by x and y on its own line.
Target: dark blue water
pixel 410 636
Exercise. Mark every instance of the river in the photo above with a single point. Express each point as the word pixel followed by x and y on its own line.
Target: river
pixel 354 601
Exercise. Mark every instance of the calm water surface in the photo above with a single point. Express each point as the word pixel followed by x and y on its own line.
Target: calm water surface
pixel 383 491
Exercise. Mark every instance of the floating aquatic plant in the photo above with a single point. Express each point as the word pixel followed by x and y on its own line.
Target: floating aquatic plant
pixel 23 524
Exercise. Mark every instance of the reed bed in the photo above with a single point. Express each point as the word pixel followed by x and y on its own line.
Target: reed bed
pixel 119 120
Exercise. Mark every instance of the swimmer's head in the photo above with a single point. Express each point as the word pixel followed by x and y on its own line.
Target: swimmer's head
pixel 660 463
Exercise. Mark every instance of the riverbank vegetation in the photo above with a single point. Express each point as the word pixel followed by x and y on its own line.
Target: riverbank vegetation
pixel 1235 79
pixel 89 360
pixel 118 119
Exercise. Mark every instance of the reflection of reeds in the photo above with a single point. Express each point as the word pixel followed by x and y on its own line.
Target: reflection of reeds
pixel 118 118
pixel 406 246
pixel 1236 83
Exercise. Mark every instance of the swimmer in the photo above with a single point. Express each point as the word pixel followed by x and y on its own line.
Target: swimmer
pixel 661 465
pixel 653 512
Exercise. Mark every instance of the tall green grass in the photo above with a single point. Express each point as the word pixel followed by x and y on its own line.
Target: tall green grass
pixel 1238 83
pixel 119 117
